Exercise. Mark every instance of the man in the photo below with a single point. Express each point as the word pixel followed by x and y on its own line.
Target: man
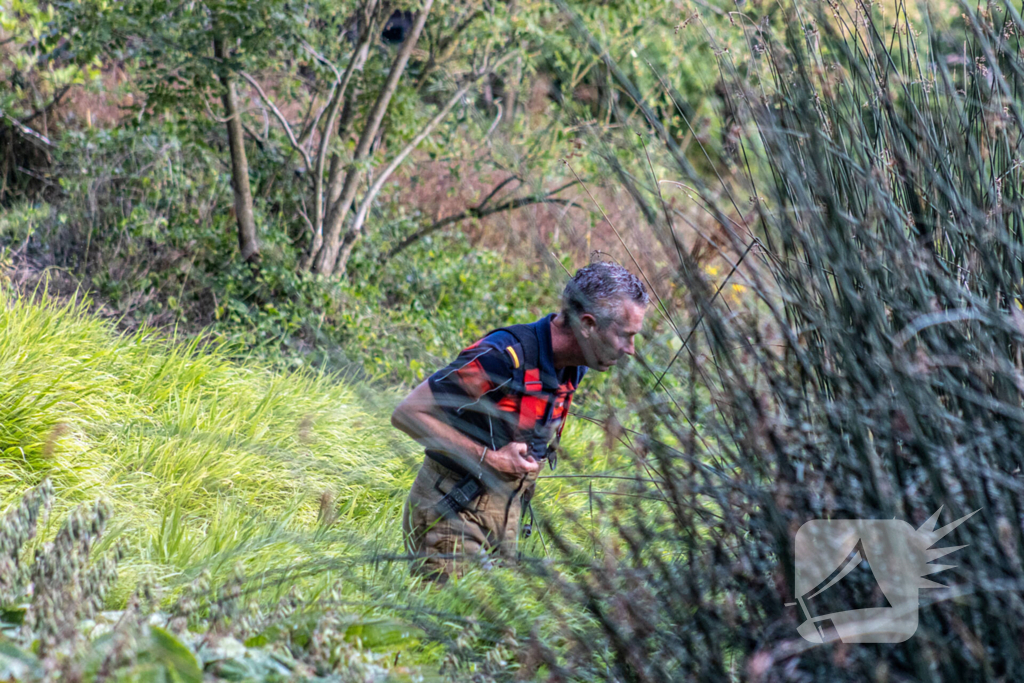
pixel 490 418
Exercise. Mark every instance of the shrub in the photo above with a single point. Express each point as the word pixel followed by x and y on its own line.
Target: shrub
pixel 874 372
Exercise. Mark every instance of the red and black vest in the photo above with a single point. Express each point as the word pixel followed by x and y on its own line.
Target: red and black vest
pixel 505 388
pixel 540 395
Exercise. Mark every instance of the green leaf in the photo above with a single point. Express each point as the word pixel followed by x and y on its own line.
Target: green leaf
pixel 257 641
pixel 173 654
pixel 233 670
pixel 16 664
pixel 13 615
pixel 382 633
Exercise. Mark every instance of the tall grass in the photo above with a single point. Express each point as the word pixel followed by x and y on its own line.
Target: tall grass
pixel 249 498
pixel 873 370
pixel 208 463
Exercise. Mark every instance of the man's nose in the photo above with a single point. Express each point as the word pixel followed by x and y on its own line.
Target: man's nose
pixel 630 349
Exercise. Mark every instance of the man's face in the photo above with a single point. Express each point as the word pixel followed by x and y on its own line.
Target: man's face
pixel 603 347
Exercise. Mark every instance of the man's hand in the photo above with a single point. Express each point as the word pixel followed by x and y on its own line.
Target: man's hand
pixel 511 459
pixel 418 416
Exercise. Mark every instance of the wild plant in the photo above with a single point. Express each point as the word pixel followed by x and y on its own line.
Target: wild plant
pixel 873 369
pixel 69 586
pixel 63 586
pixel 17 528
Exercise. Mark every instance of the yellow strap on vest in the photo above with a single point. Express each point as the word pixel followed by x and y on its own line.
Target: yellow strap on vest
pixel 515 358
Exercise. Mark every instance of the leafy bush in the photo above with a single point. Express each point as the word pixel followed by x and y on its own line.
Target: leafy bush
pixel 150 239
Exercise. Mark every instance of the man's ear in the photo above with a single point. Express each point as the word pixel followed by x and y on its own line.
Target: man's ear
pixel 588 323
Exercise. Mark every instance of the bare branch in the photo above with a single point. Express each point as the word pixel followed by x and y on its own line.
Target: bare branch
pixel 279 116
pixel 308 130
pixel 327 258
pixel 497 189
pixel 260 142
pixel 371 194
pixel 475 212
pixel 355 63
pixel 323 60
pixel 305 216
pixel 309 124
pixel 494 124
pixel 27 132
pixel 222 119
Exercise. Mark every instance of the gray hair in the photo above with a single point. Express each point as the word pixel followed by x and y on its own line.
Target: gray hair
pixel 595 288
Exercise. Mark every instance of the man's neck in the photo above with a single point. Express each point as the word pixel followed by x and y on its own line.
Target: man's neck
pixel 565 350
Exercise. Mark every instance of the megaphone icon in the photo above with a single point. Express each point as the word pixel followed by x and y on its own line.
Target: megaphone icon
pixel 852 584
pixel 858 579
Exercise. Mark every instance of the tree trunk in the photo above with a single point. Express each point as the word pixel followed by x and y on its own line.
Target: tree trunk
pixel 342 93
pixel 327 257
pixel 248 245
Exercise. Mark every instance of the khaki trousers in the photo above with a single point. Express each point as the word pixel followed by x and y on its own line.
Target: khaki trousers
pixel 487 529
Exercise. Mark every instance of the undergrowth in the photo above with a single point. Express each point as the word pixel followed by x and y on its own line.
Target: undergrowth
pixel 139 222
pixel 871 210
pixel 247 501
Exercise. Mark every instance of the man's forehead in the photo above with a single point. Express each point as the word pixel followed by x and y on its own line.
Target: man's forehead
pixel 631 317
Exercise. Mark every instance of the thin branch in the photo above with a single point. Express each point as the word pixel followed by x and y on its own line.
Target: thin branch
pixel 28 132
pixel 325 261
pixel 279 116
pixel 494 124
pixel 260 142
pixel 497 189
pixel 305 215
pixel 323 60
pixel 222 119
pixel 371 194
pixel 355 62
pixel 309 125
pixel 53 103
pixel 600 476
pixel 308 130
pixel 29 172
pixel 566 186
pixel 474 213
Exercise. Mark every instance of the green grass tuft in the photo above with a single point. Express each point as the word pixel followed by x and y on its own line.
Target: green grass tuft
pixel 208 463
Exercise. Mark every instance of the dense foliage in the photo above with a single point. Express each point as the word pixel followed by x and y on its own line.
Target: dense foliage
pixel 822 197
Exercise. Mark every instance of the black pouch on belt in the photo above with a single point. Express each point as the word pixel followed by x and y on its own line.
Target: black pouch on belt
pixel 463 493
pixel 459 498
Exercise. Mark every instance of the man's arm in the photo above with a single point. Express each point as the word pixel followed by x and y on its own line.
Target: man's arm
pixel 419 416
